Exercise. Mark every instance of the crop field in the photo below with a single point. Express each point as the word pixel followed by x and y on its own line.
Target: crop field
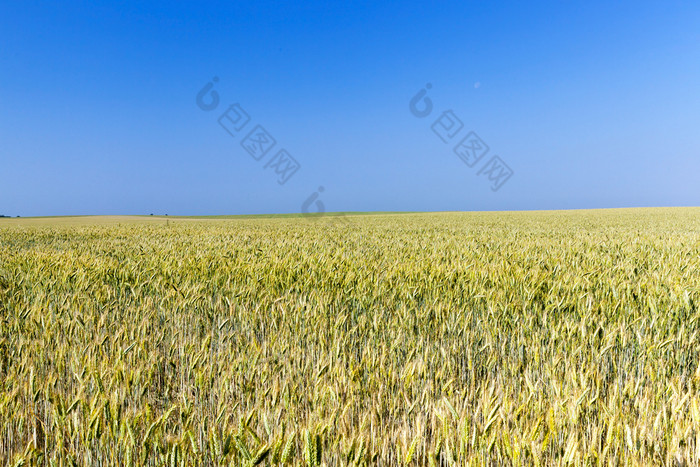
pixel 530 338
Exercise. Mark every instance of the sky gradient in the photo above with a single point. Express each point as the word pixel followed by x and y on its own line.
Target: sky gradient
pixel 590 104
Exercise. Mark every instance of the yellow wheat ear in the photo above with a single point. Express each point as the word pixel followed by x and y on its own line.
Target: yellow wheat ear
pixel 531 338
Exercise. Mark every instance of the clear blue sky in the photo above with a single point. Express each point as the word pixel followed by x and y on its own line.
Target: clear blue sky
pixel 591 104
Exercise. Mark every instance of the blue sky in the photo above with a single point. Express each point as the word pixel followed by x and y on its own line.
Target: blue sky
pixel 589 104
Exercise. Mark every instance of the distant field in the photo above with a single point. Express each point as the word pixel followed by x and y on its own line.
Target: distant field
pixel 521 338
pixel 76 220
pixel 111 220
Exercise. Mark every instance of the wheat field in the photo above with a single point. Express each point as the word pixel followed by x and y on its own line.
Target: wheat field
pixel 532 338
